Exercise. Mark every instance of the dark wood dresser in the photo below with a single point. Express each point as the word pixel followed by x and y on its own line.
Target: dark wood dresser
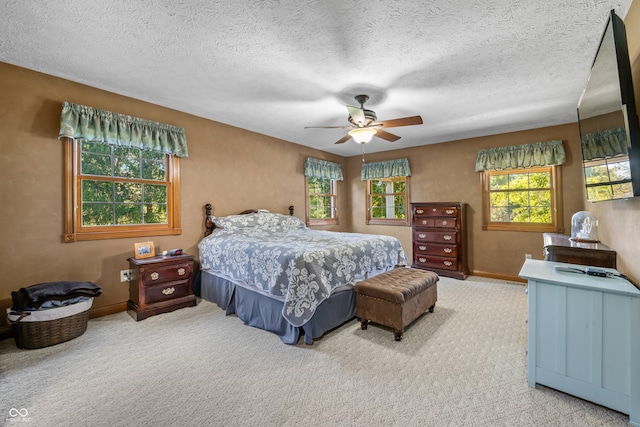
pixel 440 238
pixel 560 248
pixel 160 284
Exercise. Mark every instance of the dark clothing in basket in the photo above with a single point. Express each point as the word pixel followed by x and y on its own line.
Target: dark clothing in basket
pixel 35 295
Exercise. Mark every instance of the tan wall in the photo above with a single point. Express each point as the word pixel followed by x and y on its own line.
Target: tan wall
pixel 232 168
pixel 445 173
pixel 619 219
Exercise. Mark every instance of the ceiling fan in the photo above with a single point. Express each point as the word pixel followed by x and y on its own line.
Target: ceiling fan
pixel 365 124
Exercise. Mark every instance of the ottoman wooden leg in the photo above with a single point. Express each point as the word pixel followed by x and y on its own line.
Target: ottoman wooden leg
pixel 398 335
pixel 363 324
pixel 431 308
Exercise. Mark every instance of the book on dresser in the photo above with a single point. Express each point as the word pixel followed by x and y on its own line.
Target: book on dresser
pixel 440 238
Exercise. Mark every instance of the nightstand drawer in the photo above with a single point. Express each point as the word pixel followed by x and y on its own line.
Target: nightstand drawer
pixel 166 291
pixel 429 261
pixel 165 273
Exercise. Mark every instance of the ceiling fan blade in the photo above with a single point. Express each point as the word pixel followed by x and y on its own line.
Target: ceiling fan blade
pixel 328 127
pixel 357 115
pixel 386 135
pixel 405 121
pixel 343 139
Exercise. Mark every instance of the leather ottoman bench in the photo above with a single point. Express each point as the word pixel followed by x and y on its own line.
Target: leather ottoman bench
pixel 396 298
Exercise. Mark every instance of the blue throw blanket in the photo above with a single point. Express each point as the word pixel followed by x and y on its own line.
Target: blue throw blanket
pixel 32 297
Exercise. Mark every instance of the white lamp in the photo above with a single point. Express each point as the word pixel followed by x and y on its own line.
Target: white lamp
pixel 362 135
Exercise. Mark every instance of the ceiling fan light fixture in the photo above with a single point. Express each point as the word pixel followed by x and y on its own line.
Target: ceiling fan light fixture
pixel 362 135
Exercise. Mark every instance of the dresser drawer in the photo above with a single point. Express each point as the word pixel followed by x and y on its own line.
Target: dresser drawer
pixel 435 236
pixel 166 291
pixel 435 211
pixel 435 249
pixel 424 222
pixel 165 273
pixel 430 261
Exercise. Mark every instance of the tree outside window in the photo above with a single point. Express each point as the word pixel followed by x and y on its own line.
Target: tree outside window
pixel 388 201
pixel 321 201
pixel 521 199
pixel 120 192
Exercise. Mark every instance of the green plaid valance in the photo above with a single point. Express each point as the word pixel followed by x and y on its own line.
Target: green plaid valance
pixel 385 169
pixel 604 144
pixel 549 153
pixel 322 169
pixel 94 125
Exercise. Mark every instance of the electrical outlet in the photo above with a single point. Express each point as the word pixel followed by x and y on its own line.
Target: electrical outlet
pixel 527 256
pixel 125 275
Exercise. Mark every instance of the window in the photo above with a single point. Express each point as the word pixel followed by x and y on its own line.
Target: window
pixel 116 192
pixel 522 199
pixel 321 201
pixel 608 178
pixel 387 201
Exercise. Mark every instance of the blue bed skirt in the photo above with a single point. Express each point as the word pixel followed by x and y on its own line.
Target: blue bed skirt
pixel 263 312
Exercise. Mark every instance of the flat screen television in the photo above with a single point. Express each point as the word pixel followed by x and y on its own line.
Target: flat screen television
pixel 608 121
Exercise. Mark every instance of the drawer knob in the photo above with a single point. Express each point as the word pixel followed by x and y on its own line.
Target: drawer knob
pixel 419 211
pixel 434 209
pixel 444 222
pixel 154 276
pixel 168 291
pixel 422 248
pixel 424 221
pixel 422 259
pixel 181 271
pixel 447 237
pixel 448 250
pixel 422 236
pixel 447 263
pixel 449 211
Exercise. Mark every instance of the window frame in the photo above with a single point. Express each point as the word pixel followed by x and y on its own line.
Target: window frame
pixel 389 221
pixel 73 229
pixel 334 210
pixel 556 225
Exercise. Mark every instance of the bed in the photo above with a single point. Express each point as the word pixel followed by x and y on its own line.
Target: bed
pixel 276 274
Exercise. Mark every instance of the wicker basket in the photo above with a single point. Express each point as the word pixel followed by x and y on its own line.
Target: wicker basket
pixel 45 333
pixel 31 335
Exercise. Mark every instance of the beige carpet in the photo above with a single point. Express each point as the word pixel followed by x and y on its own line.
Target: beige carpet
pixel 464 364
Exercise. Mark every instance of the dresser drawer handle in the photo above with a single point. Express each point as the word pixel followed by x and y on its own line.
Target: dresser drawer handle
pixel 448 250
pixel 181 271
pixel 422 236
pixel 422 248
pixel 434 209
pixel 422 259
pixel 444 222
pixel 424 221
pixel 447 237
pixel 449 211
pixel 419 211
pixel 154 276
pixel 168 291
pixel 447 263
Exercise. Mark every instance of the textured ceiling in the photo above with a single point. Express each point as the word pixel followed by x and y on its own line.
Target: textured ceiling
pixel 469 68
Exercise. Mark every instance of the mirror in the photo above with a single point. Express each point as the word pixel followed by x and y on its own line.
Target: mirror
pixel 608 121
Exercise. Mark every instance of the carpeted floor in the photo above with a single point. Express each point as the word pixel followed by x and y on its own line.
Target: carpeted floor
pixel 464 364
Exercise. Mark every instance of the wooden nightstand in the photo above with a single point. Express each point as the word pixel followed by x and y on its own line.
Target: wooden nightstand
pixel 160 284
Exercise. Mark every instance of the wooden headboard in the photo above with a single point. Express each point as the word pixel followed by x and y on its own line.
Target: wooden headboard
pixel 209 226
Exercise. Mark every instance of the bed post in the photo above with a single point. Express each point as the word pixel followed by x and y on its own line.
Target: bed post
pixel 291 210
pixel 208 222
